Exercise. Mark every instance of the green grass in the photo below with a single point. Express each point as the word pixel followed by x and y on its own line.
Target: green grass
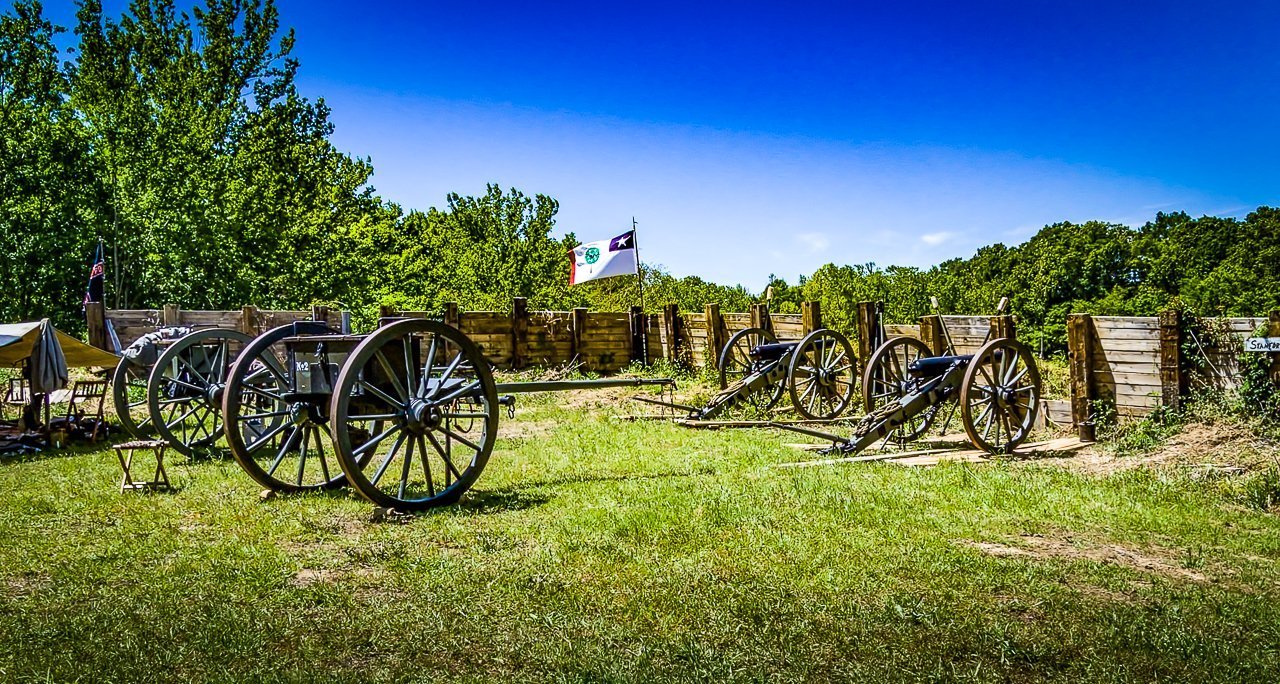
pixel 600 550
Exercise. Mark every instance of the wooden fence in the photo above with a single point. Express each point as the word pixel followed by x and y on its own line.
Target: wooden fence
pixel 1144 362
pixel 599 341
pixel 128 325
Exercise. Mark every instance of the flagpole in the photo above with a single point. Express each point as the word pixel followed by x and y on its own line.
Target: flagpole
pixel 644 326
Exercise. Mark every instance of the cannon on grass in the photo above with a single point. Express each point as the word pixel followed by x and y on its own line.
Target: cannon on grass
pixel 756 370
pixel 996 391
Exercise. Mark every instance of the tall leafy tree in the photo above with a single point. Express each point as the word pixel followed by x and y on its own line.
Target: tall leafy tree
pixel 46 199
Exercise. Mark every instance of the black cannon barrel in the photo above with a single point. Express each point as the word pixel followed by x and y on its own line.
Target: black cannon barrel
pixel 566 385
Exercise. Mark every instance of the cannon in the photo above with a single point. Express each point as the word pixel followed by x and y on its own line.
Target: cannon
pixel 996 391
pixel 755 370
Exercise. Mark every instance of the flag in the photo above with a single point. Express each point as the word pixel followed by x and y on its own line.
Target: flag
pixel 97 278
pixel 604 259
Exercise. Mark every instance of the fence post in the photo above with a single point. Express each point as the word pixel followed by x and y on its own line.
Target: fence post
pixel 519 332
pixel 385 311
pixel 931 334
pixel 716 331
pixel 639 338
pixel 579 329
pixel 1173 383
pixel 870 334
pixel 1083 390
pixel 671 322
pixel 1002 328
pixel 95 317
pixel 760 317
pixel 320 312
pixel 172 315
pixel 249 319
pixel 810 317
pixel 451 315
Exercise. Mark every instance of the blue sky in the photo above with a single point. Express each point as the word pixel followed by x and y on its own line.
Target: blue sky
pixel 756 138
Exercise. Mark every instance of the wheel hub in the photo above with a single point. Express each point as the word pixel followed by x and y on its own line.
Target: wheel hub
pixel 422 416
pixel 302 414
pixel 213 393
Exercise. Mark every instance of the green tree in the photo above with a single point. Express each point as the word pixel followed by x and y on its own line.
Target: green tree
pixel 46 201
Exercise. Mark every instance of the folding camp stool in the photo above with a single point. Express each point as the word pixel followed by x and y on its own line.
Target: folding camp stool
pixel 156 447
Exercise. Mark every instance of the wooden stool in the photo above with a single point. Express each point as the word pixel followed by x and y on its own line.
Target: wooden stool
pixel 157 447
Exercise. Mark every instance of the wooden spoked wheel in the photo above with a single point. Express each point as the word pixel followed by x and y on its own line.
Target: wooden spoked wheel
pixel 428 390
pixel 184 390
pixel 129 395
pixel 735 363
pixel 887 379
pixel 276 410
pixel 821 375
pixel 1000 396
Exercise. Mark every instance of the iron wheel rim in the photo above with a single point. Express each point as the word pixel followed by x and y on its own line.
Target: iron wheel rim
pixel 1000 396
pixel 887 378
pixel 822 375
pixel 197 400
pixel 420 413
pixel 290 433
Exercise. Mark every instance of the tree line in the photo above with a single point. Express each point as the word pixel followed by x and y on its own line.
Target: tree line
pixel 180 140
pixel 1207 266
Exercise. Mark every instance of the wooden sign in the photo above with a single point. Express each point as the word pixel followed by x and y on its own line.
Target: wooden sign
pixel 1262 344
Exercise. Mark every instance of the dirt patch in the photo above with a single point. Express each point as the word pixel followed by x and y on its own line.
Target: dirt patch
pixel 1153 561
pixel 24 585
pixel 1216 449
pixel 309 576
pixel 595 399
pixel 524 429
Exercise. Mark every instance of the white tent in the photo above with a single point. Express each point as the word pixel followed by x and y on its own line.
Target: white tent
pixel 49 352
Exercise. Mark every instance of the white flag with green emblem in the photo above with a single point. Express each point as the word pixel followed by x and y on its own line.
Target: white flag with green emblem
pixel 604 259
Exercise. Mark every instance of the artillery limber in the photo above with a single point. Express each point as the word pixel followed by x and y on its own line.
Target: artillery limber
pixel 407 415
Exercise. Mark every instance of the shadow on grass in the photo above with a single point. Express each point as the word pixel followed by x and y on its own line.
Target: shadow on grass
pixel 488 501
pixel 47 453
pixel 527 495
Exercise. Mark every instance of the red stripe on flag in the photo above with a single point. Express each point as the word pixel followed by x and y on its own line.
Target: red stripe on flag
pixel 573 267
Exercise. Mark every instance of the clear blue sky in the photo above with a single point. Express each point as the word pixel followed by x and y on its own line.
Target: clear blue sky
pixel 756 138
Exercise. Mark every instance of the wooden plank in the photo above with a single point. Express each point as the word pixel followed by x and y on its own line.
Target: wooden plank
pixel 881 456
pixel 1058 411
pixel 1121 334
pixel 970 456
pixel 1107 326
pixel 1148 346
pixel 1127 357
pixel 1080 357
pixel 1154 321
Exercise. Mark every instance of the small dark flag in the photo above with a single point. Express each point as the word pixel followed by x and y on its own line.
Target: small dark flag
pixel 97 278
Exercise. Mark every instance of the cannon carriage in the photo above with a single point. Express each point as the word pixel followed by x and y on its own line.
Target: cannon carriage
pixel 819 372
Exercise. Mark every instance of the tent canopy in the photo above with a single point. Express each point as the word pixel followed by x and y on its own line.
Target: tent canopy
pixel 49 351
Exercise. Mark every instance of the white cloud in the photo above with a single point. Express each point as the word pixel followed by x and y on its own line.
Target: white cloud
pixel 935 239
pixel 814 242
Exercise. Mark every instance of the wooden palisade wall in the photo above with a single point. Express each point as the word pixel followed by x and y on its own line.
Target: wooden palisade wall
pixel 598 341
pixel 1137 362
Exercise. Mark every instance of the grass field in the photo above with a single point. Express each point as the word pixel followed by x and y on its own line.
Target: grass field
pixel 599 550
